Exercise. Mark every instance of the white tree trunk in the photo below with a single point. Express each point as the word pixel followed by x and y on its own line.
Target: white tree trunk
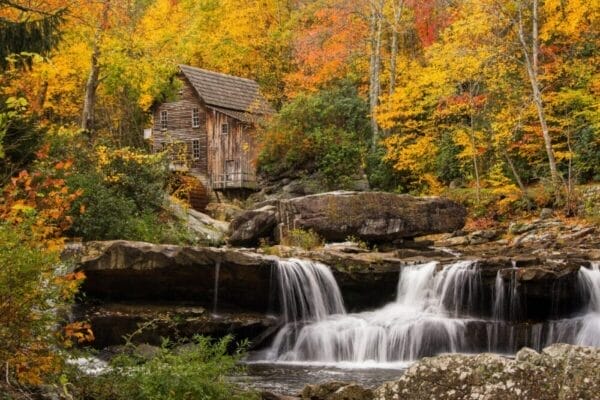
pixel 376 25
pixel 531 64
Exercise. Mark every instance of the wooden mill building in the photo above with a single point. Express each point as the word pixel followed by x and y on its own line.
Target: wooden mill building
pixel 209 129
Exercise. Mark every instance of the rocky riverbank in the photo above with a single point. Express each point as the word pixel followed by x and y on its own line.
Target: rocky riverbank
pixel 558 372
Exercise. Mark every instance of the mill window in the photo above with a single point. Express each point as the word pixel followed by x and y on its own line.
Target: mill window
pixel 164 120
pixel 196 149
pixel 225 129
pixel 195 118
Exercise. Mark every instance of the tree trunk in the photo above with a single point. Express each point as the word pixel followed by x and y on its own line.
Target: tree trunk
pixel 393 56
pixel 397 9
pixel 375 67
pixel 89 100
pixel 532 72
pixel 474 144
pixel 41 98
pixel 513 169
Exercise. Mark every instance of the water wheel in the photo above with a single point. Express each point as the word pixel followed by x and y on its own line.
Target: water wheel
pixel 197 192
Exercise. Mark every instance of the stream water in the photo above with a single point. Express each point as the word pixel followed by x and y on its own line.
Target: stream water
pixel 320 341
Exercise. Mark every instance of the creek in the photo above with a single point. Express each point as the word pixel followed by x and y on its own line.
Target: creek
pixel 437 310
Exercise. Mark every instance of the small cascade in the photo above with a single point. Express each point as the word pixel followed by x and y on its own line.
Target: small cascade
pixel 434 312
pixel 308 291
pixel 589 280
pixel 216 289
pixel 506 301
pixel 458 287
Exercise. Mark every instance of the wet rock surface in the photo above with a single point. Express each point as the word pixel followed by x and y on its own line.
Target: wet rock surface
pixel 133 271
pixel 559 372
pixel 336 391
pixel 149 323
pixel 136 271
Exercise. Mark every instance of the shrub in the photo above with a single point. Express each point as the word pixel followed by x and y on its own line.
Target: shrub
pixel 197 373
pixel 28 293
pixel 32 289
pixel 307 240
pixel 123 191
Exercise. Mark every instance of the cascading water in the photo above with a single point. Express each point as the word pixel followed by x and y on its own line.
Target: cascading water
pixel 308 291
pixel 589 334
pixel 433 313
pixel 416 325
pixel 582 329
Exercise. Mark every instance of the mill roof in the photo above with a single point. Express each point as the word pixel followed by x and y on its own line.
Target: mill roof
pixel 227 93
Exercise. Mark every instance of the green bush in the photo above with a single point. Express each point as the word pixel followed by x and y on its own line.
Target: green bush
pixel 326 132
pixel 198 373
pixel 123 192
pixel 307 240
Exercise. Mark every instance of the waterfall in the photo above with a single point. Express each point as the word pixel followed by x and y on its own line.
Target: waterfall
pixel 432 314
pixel 307 291
pixel 589 281
pixel 417 324
pixel 506 301
pixel 457 287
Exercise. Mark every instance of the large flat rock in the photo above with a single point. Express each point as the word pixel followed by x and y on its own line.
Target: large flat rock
pixel 371 216
pixel 376 217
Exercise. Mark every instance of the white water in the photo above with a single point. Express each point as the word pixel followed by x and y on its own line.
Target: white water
pixel 308 291
pixel 589 334
pixel 429 316
pixel 413 326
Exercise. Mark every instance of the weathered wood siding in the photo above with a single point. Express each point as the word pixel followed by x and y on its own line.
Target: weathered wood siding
pixel 231 156
pixel 179 127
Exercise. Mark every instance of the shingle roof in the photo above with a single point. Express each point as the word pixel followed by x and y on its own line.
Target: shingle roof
pixel 227 91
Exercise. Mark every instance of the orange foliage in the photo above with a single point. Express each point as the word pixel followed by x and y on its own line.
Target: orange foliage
pixel 327 45
pixel 78 332
pixel 42 199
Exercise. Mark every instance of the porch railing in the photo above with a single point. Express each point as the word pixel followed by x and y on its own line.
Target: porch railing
pixel 235 180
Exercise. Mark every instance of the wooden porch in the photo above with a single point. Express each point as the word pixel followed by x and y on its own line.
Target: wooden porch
pixel 234 180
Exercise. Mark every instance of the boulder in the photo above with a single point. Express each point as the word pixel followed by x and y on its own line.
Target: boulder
pixel 371 216
pixel 375 217
pixel 251 226
pixel 559 372
pixel 336 391
pixel 206 229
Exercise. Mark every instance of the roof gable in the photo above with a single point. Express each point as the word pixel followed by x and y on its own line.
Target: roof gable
pixel 227 91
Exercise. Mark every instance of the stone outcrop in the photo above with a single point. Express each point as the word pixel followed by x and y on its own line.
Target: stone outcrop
pixel 251 226
pixel 145 274
pixel 559 372
pixel 140 272
pixel 371 216
pixel 149 323
pixel 376 217
pixel 137 271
